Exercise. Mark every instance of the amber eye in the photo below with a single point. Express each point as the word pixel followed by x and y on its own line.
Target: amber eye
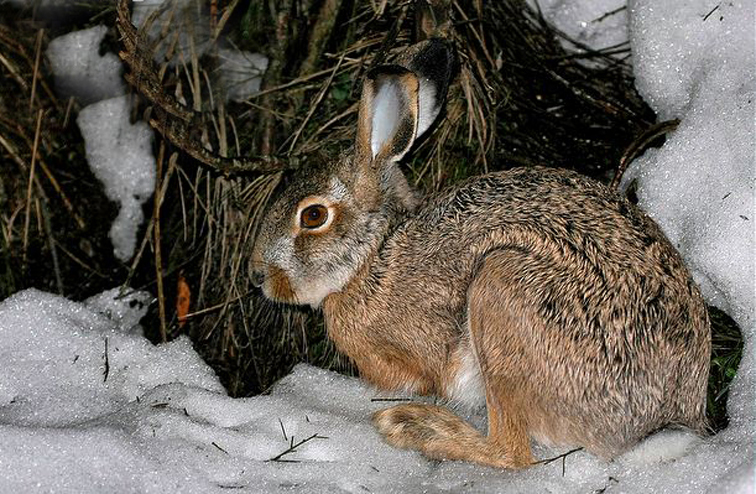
pixel 313 216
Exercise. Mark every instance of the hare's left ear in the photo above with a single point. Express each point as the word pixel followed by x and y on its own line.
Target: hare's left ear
pixel 400 102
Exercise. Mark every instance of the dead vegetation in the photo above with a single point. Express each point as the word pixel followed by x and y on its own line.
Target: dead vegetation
pixel 519 100
pixel 45 184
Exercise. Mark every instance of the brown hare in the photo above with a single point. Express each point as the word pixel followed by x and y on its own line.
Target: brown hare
pixel 539 292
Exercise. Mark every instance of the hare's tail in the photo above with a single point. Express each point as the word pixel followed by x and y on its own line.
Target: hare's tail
pixel 440 434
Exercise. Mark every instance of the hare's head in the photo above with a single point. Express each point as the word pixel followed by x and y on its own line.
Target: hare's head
pixel 328 220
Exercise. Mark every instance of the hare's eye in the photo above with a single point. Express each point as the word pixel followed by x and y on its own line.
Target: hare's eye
pixel 313 216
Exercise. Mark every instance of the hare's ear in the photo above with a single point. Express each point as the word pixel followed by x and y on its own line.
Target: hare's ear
pixel 400 102
pixel 388 114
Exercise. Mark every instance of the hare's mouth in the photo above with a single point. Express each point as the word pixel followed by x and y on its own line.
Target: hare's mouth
pixel 278 287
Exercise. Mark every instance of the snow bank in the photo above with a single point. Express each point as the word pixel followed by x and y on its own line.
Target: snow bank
pixel 120 156
pixel 88 405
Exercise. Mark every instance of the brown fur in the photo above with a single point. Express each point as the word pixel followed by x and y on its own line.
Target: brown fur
pixel 579 315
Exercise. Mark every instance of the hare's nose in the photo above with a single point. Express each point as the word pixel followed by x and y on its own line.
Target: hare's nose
pixel 258 278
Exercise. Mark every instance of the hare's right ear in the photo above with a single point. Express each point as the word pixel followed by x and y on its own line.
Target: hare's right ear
pixel 400 102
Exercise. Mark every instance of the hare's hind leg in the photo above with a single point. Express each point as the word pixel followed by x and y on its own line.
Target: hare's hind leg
pixel 494 326
pixel 440 434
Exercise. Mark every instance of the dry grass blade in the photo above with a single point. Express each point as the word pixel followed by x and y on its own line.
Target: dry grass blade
pixel 13 71
pixel 17 129
pixel 29 187
pixel 38 52
pixel 156 243
pixel 224 18
pixel 314 105
pixel 298 81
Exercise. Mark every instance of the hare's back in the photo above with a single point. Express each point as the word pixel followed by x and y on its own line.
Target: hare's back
pixel 542 208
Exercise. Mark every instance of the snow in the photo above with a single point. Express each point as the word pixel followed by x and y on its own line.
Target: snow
pixel 79 69
pixel 597 24
pixel 120 155
pixel 88 405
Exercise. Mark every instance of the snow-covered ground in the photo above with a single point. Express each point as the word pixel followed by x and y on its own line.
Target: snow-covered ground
pixel 87 404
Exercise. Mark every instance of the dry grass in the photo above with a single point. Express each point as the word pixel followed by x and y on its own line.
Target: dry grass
pixel 45 183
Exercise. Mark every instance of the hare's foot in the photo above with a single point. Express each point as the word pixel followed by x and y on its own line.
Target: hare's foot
pixel 439 434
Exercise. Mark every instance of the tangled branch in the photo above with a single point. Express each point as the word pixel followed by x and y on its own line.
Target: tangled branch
pixel 173 120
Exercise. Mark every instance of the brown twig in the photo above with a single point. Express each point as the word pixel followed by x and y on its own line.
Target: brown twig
pixel 293 448
pixel 639 145
pixel 562 457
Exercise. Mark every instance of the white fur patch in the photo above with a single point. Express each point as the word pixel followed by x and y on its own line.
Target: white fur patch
pixel 467 387
pixel 385 117
pixel 665 445
pixel 314 292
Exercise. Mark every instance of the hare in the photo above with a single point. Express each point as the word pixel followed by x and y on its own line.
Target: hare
pixel 538 292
